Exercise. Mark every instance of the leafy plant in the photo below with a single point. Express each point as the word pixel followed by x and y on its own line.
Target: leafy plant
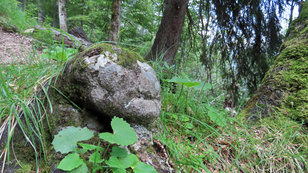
pixel 119 160
pixel 64 143
pixel 123 134
pixel 214 115
pixel 58 53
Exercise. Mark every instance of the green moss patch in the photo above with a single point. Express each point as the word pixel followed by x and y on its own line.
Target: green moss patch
pixel 126 57
pixel 296 79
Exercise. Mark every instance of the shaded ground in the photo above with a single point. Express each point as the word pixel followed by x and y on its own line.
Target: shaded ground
pixel 14 47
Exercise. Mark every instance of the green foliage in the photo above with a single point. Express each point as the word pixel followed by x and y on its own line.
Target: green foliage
pixel 304 13
pixel 184 81
pixel 141 167
pixel 119 159
pixel 196 133
pixel 123 134
pixel 12 18
pixel 58 53
pixel 70 162
pixel 64 143
pixel 19 83
pixel 44 37
pixel 199 136
pixel 122 162
pixel 89 147
pixel 81 169
pixel 216 116
pixel 96 157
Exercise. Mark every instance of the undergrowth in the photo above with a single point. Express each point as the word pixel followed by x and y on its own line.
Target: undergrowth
pixel 12 18
pixel 22 86
pixel 197 142
pixel 198 135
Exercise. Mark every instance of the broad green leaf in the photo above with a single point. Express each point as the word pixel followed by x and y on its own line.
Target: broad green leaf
pixel 118 152
pixel 123 163
pixel 206 86
pixel 70 162
pixel 66 140
pixel 96 157
pixel 90 147
pixel 118 170
pixel 217 117
pixel 123 134
pixel 141 167
pixel 81 169
pixel 184 81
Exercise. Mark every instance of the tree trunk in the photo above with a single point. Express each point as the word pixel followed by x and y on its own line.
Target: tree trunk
pixel 62 15
pixel 170 30
pixel 40 12
pixel 115 21
pixel 291 13
pixel 55 14
pixel 284 90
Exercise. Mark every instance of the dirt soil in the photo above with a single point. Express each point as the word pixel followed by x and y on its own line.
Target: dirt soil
pixel 14 47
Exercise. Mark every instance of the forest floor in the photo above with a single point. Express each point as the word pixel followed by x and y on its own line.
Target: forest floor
pixel 14 47
pixel 194 143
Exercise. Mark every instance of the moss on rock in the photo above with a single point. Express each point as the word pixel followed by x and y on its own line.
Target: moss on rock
pixel 126 57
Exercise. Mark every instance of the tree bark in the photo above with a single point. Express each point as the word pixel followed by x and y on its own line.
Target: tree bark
pixel 115 22
pixel 55 15
pixel 284 89
pixel 170 30
pixel 40 12
pixel 62 15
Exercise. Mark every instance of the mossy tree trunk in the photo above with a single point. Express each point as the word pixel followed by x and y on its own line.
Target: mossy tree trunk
pixel 284 89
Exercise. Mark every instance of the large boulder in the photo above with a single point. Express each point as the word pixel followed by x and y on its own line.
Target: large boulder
pixel 113 81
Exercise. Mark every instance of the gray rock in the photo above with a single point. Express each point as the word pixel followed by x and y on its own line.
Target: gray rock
pixel 113 81
pixel 147 152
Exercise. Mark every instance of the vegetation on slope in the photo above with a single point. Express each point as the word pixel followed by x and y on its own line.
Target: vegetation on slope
pixel 12 19
pixel 192 135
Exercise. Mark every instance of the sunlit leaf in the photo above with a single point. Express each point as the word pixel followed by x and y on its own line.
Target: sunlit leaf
pixel 141 167
pixel 70 162
pixel 81 169
pixel 123 134
pixel 123 163
pixel 184 81
pixel 203 86
pixel 66 140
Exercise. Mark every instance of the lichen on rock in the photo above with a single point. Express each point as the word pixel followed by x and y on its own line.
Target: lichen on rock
pixel 113 81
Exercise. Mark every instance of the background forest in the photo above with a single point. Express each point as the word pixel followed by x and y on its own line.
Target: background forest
pixel 210 57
